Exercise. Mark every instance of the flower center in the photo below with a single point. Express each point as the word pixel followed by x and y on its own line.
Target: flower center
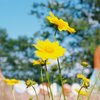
pixel 49 50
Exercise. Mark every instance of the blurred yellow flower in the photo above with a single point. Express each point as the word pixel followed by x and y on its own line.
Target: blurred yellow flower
pixel 62 25
pixel 86 84
pixel 40 62
pixel 83 78
pixel 47 49
pixel 82 92
pixel 85 64
pixel 30 83
pixel 11 82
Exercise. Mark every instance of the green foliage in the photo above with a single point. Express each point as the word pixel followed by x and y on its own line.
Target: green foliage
pixel 15 57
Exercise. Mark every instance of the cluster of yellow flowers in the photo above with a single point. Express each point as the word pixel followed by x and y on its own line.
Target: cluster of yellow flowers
pixel 85 81
pixel 51 50
pixel 47 50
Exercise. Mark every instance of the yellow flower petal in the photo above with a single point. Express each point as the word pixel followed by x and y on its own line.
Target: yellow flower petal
pixel 53 19
pixel 71 30
pixel 82 92
pixel 47 49
pixel 61 24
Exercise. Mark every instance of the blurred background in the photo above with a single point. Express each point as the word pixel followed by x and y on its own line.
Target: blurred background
pixel 22 22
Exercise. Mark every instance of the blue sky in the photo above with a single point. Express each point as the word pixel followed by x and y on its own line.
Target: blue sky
pixel 15 18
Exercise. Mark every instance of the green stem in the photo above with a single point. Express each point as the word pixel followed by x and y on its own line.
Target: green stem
pixel 60 97
pixel 13 93
pixel 47 76
pixel 83 71
pixel 55 35
pixel 41 76
pixel 42 80
pixel 79 92
pixel 94 86
pixel 61 78
pixel 82 74
pixel 35 92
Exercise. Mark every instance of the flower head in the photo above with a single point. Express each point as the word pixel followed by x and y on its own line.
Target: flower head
pixel 85 64
pixel 62 25
pixel 40 62
pixel 82 92
pixel 30 83
pixel 86 84
pixel 48 50
pixel 11 82
pixel 83 78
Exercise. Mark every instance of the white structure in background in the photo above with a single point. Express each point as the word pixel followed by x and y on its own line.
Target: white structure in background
pixel 74 87
pixel 31 91
pixel 20 87
pixel 93 80
pixel 56 89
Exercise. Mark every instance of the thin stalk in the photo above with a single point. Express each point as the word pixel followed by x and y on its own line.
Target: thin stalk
pixel 82 74
pixel 94 86
pixel 35 92
pixel 60 97
pixel 83 71
pixel 61 78
pixel 55 35
pixel 44 96
pixel 13 93
pixel 41 76
pixel 47 76
pixel 42 81
pixel 79 92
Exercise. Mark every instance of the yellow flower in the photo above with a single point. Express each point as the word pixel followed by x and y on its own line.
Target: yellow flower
pixel 82 92
pixel 85 64
pixel 40 62
pixel 62 25
pixel 47 49
pixel 83 78
pixel 30 83
pixel 11 82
